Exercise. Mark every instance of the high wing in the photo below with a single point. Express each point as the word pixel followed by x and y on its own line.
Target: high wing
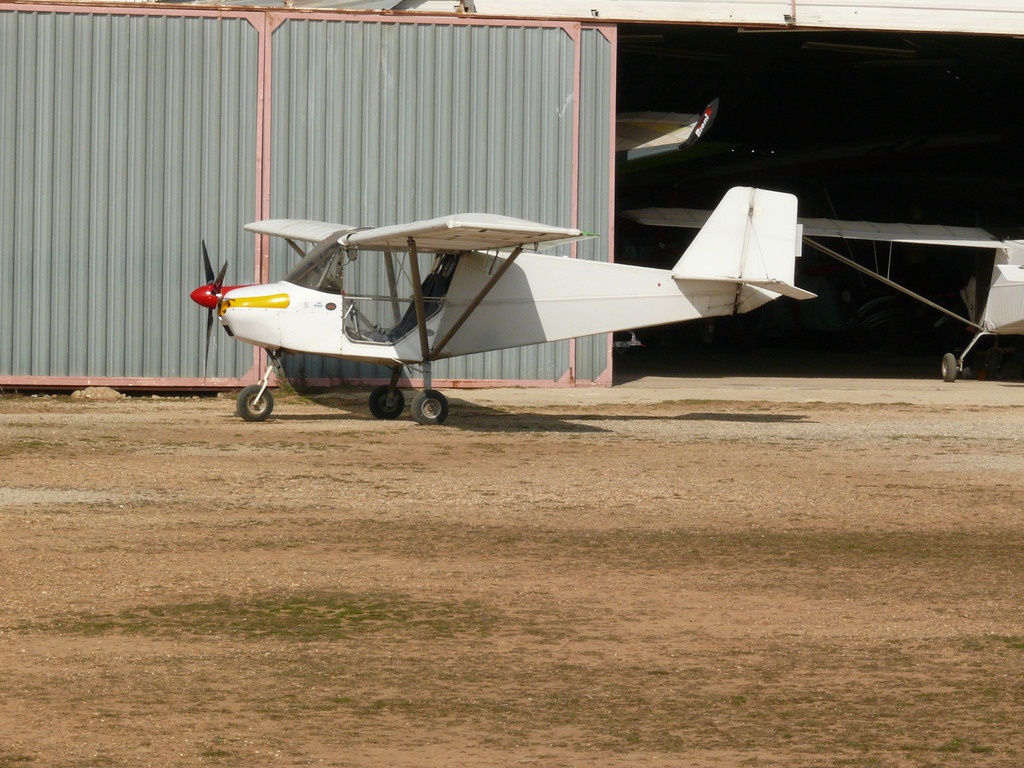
pixel 303 230
pixel 454 233
pixel 921 234
pixel 463 232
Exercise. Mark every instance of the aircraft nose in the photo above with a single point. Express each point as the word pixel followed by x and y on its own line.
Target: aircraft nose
pixel 205 296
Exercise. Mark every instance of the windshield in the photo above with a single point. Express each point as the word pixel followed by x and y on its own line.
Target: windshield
pixel 321 268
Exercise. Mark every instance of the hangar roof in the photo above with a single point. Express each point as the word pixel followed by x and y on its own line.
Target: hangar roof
pixel 971 16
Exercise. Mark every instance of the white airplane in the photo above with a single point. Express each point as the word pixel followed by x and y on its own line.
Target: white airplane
pixel 489 289
pixel 997 311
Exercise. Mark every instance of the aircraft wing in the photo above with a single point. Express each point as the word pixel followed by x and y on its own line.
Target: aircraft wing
pixel 923 234
pixel 303 230
pixel 634 130
pixel 644 134
pixel 463 232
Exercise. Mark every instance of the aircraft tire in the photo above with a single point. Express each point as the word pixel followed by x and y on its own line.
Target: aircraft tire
pixel 949 367
pixel 379 406
pixel 249 410
pixel 430 407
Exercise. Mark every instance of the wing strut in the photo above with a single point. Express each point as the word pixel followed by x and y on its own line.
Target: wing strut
pixel 417 295
pixel 439 347
pixel 389 265
pixel 296 247
pixel 851 263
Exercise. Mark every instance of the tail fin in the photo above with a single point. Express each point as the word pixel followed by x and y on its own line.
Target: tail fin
pixel 752 238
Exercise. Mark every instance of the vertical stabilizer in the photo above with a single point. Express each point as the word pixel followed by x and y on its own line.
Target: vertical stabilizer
pixel 752 238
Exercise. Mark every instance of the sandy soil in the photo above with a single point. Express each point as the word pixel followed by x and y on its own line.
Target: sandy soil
pixel 639 576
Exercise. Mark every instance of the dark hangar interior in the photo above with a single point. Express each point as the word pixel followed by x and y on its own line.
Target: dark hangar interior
pixel 886 127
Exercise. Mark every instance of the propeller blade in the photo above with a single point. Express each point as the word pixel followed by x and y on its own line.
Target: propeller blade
pixel 209 332
pixel 219 282
pixel 207 266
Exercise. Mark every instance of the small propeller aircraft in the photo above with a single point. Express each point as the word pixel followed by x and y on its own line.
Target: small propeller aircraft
pixel 489 288
pixel 999 310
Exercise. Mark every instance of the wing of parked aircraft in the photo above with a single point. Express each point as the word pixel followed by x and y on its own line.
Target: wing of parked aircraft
pixel 1003 312
pixel 645 134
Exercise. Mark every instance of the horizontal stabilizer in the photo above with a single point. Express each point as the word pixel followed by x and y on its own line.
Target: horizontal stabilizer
pixel 785 289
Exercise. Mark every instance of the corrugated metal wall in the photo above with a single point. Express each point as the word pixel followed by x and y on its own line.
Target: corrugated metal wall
pixel 128 136
pixel 125 139
pixel 377 124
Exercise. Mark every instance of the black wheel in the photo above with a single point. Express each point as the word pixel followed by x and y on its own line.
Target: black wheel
pixel 949 370
pixel 251 409
pixel 384 407
pixel 430 407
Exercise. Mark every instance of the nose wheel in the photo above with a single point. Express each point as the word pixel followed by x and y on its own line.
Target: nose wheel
pixel 255 403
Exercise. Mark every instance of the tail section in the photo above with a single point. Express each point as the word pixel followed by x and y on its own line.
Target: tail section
pixel 752 239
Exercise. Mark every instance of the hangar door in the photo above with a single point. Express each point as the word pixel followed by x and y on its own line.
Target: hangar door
pixel 382 123
pixel 125 139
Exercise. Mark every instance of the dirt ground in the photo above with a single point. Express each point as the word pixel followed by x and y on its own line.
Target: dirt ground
pixel 627 577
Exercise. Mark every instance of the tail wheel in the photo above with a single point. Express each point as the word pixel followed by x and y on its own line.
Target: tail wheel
pixel 430 407
pixel 949 367
pixel 383 406
pixel 252 409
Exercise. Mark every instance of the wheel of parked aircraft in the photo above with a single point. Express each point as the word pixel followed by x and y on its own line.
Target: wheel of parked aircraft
pixel 383 407
pixel 430 407
pixel 949 370
pixel 251 410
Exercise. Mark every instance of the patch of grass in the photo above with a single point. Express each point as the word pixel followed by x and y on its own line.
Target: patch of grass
pixel 317 616
pixel 30 445
pixel 1015 642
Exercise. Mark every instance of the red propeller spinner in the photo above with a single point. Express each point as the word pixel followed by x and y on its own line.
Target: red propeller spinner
pixel 209 296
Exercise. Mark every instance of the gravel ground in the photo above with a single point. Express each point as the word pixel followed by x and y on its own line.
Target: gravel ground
pixel 705 572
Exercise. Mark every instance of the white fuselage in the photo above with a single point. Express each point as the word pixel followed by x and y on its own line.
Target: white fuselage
pixel 540 298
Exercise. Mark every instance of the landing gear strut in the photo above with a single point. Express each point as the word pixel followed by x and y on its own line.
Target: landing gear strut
pixel 255 402
pixel 953 366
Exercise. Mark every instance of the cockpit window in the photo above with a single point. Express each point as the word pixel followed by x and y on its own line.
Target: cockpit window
pixel 321 268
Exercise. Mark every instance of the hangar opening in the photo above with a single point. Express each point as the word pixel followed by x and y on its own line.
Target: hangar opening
pixel 884 127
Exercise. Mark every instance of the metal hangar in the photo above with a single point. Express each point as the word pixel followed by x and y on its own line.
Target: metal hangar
pixel 131 132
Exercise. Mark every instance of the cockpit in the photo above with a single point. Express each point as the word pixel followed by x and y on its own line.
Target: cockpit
pixel 368 315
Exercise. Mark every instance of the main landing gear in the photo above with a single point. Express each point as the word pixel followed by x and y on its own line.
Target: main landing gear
pixel 429 406
pixel 953 366
pixel 256 402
